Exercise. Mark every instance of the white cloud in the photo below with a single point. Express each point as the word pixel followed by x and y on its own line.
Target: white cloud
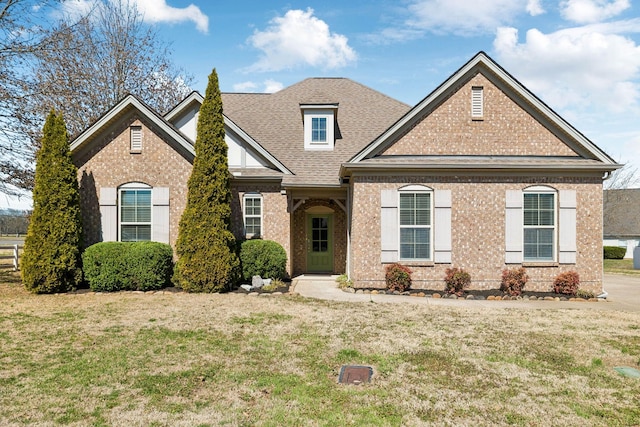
pixel 245 87
pixel 590 11
pixel 576 68
pixel 534 8
pixel 153 11
pixel 459 17
pixel 297 39
pixel 160 11
pixel 269 86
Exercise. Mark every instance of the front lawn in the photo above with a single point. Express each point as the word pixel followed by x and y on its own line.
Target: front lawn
pixel 620 266
pixel 180 359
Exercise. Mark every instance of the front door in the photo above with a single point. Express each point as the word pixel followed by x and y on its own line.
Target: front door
pixel 320 243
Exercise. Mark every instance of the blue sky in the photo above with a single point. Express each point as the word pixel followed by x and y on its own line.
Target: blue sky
pixel 581 57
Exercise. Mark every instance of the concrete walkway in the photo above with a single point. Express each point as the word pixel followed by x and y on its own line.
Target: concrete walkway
pixel 624 295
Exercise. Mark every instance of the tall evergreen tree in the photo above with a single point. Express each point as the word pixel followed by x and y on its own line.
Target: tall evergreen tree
pixel 207 261
pixel 51 261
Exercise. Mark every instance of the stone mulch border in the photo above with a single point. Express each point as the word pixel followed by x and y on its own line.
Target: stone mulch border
pixel 436 295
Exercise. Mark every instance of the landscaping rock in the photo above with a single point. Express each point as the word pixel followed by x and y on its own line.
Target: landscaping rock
pixel 246 287
pixel 436 295
pixel 470 297
pixel 257 282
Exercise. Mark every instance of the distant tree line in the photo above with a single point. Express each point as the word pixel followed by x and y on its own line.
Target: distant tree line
pixel 13 222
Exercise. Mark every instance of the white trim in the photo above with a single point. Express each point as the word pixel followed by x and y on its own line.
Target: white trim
pixel 415 188
pixel 429 227
pixel 130 187
pixel 256 196
pixel 481 60
pixel 321 145
pixel 554 227
pixel 119 108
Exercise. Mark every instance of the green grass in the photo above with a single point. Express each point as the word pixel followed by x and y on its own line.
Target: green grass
pixel 185 359
pixel 620 266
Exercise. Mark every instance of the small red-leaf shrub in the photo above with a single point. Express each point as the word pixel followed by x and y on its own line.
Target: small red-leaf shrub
pixel 566 283
pixel 513 281
pixel 398 277
pixel 456 280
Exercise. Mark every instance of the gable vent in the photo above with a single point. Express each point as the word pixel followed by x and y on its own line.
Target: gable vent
pixel 477 110
pixel 136 139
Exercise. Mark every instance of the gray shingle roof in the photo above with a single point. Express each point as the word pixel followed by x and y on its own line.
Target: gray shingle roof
pixel 275 122
pixel 621 213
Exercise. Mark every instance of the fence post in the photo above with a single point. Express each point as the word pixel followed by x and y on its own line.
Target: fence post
pixel 15 257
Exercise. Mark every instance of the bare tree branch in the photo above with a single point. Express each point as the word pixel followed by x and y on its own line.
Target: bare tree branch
pixel 80 66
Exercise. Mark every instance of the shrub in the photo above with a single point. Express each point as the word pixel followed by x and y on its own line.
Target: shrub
pixel 566 283
pixel 398 277
pixel 264 258
pixel 614 252
pixel 513 281
pixel 51 261
pixel 456 280
pixel 130 266
pixel 582 293
pixel 344 282
pixel 275 284
pixel 206 247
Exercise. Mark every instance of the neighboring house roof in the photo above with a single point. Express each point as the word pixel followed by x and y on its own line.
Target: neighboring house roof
pixel 481 63
pixel 124 107
pixel 621 213
pixel 275 121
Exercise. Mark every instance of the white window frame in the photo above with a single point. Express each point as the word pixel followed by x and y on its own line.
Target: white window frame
pixel 135 134
pixel 253 196
pixel 416 189
pixel 538 190
pixel 321 128
pixel 477 102
pixel 328 113
pixel 135 186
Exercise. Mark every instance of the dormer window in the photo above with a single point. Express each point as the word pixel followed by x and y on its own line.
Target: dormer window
pixel 318 129
pixel 319 124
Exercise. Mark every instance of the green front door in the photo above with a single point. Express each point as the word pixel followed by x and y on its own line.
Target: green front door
pixel 320 243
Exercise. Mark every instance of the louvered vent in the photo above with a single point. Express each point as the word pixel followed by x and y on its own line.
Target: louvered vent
pixel 477 110
pixel 136 138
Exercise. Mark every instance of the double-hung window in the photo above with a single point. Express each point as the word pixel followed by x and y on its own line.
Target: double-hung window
pixel 539 226
pixel 135 214
pixel 253 215
pixel 318 129
pixel 415 225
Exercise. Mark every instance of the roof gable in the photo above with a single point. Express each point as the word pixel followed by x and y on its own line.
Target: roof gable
pixel 128 104
pixel 561 139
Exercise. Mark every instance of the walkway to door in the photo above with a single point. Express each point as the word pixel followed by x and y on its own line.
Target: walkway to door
pixel 624 295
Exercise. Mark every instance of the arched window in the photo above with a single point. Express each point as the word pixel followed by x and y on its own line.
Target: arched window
pixel 134 212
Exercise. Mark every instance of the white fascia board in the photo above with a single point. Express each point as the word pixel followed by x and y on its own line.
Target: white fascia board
pixel 193 96
pixel 254 144
pixel 482 59
pixel 132 101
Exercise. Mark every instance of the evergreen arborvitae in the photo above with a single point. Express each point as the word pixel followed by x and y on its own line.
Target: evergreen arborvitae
pixel 207 261
pixel 51 261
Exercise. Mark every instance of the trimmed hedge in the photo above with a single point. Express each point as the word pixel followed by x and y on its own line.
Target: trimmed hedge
pixel 614 252
pixel 264 258
pixel 128 266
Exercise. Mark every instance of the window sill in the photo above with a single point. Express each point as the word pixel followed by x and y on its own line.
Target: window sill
pixel 540 264
pixel 135 151
pixel 410 263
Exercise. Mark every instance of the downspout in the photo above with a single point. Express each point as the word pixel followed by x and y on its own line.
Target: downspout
pixel 349 232
pixel 604 293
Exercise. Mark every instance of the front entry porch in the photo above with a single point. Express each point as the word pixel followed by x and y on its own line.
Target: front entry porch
pixel 319 236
